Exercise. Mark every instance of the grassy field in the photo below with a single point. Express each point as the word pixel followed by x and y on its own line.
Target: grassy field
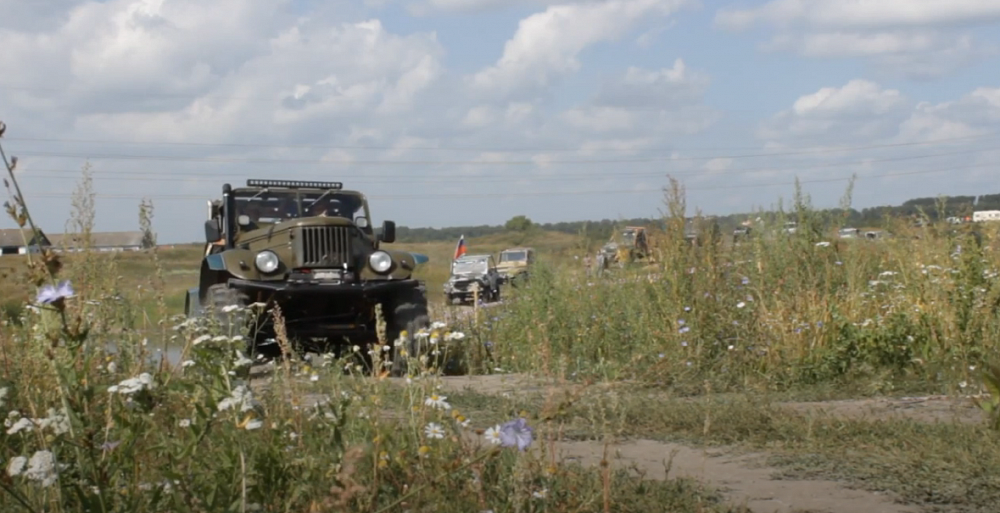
pixel 711 350
pixel 134 275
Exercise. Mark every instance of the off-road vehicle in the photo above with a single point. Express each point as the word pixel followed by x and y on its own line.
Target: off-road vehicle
pixel 515 264
pixel 625 248
pixel 309 248
pixel 471 273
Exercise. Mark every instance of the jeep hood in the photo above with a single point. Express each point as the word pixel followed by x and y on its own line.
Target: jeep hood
pixel 265 231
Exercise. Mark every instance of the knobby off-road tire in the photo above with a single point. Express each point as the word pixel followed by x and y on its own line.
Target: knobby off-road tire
pixel 407 311
pixel 238 322
pixel 220 296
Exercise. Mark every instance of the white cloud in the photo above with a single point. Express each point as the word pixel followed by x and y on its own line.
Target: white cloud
pixel 488 115
pixel 861 112
pixel 862 14
pixel 899 148
pixel 480 115
pixel 308 74
pixel 917 54
pixel 858 109
pixel 718 164
pixel 663 88
pixel 648 38
pixel 546 44
pixel 428 7
pixel 331 94
pixel 664 101
pixel 311 87
pixel 857 96
pixel 918 39
pixel 973 114
pixel 853 44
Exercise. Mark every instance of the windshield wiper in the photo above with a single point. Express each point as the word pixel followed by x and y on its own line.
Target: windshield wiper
pixel 262 191
pixel 321 196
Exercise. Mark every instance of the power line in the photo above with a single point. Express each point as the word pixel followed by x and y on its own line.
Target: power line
pixel 547 193
pixel 481 149
pixel 232 160
pixel 450 178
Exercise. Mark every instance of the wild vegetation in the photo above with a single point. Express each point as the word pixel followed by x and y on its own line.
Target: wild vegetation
pixel 699 347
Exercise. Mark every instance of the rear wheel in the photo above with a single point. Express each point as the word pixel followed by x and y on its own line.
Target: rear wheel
pixel 406 311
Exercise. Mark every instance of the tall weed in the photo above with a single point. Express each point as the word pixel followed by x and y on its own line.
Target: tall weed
pixel 776 311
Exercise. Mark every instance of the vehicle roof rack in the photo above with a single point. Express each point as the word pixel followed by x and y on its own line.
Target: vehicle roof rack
pixel 293 184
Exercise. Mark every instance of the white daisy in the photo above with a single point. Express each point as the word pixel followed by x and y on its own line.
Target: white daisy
pixel 437 401
pixel 434 430
pixel 493 435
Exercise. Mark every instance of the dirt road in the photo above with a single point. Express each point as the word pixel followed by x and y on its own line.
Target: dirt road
pixel 744 479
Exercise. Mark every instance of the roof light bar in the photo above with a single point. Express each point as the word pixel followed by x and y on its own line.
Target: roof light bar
pixel 252 182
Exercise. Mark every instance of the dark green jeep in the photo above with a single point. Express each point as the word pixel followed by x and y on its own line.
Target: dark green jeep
pixel 310 249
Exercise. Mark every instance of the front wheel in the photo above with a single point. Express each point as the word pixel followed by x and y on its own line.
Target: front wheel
pixel 406 312
pixel 231 308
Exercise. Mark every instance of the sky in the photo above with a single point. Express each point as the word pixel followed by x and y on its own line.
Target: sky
pixel 467 112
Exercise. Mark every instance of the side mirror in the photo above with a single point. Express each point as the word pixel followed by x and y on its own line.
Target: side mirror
pixel 388 234
pixel 212 231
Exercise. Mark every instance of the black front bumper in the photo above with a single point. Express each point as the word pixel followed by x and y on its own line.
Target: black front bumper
pixel 367 288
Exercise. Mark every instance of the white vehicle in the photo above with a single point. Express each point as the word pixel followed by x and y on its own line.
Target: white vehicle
pixel 986 215
pixel 848 233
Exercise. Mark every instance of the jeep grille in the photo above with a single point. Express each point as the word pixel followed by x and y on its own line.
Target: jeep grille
pixel 323 246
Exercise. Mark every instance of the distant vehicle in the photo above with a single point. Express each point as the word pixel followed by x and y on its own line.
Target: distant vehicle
pixel 876 235
pixel 741 234
pixel 791 227
pixel 515 265
pixel 472 273
pixel 986 215
pixel 632 245
pixel 702 231
pixel 849 233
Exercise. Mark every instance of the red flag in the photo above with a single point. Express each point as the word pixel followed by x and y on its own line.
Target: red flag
pixel 460 248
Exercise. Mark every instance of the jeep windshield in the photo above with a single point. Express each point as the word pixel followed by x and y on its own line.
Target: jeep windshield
pixel 477 266
pixel 514 256
pixel 276 206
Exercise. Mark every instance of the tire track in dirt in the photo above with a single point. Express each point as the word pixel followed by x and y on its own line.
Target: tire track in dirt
pixel 743 478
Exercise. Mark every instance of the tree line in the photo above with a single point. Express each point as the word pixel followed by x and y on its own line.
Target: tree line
pixel 935 208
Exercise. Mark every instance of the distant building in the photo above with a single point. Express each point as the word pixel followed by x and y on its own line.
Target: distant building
pixel 12 241
pixel 986 215
pixel 99 241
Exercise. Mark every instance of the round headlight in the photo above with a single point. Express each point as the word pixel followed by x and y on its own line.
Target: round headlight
pixel 266 261
pixel 380 261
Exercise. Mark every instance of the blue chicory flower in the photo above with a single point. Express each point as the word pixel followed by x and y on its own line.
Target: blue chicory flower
pixel 49 294
pixel 516 433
